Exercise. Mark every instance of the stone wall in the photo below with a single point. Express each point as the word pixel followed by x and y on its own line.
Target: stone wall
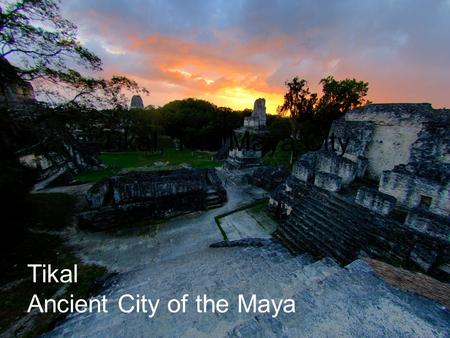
pixel 331 163
pixel 327 181
pixel 396 128
pixel 354 135
pixel 433 145
pixel 304 171
pixel 268 177
pixel 428 223
pixel 307 166
pixel 58 157
pixel 144 196
pixel 412 190
pixel 376 201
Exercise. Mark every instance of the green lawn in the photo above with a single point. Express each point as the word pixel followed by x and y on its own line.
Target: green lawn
pixel 128 160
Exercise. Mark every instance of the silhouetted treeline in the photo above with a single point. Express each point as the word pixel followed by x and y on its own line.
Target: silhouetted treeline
pixel 197 124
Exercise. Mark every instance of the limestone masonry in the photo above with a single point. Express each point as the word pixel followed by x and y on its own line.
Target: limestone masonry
pixel 384 191
pixel 128 198
pixel 254 127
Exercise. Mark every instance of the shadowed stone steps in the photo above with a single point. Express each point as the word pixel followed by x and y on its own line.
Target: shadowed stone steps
pixel 268 271
pixel 178 260
pixel 352 303
pixel 327 297
pixel 324 224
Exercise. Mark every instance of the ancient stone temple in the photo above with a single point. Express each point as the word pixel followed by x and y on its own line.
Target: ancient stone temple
pixel 128 198
pixel 379 186
pixel 245 150
pixel 136 102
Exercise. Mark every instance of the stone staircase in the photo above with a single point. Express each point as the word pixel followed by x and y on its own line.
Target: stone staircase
pixel 330 300
pixel 215 193
pixel 213 199
pixel 327 225
pixel 352 302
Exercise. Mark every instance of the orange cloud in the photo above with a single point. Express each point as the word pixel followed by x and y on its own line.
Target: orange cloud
pixel 235 75
pixel 216 71
pixel 231 53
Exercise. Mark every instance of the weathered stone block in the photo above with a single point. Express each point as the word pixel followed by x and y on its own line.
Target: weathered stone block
pixel 303 171
pixel 376 201
pixel 428 223
pixel 142 196
pixel 423 257
pixel 411 189
pixel 351 138
pixel 331 163
pixel 328 181
pixel 269 177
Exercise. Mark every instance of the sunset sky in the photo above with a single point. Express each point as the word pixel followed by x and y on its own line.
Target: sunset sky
pixel 231 52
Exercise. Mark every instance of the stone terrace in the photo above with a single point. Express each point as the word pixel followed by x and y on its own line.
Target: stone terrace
pixel 331 301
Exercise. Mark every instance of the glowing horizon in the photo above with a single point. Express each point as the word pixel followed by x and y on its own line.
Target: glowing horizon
pixel 233 53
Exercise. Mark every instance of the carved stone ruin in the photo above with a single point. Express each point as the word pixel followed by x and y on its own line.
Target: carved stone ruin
pixel 403 218
pixel 248 153
pixel 133 197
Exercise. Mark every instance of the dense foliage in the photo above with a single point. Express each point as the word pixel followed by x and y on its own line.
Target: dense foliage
pixel 199 124
pixel 312 115
pixel 44 48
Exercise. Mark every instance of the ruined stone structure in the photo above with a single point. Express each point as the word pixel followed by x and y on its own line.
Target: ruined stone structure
pixel 56 154
pixel 13 90
pixel 258 118
pixel 136 102
pixel 268 177
pixel 133 197
pixel 376 201
pixel 406 147
pixel 58 167
pixel 248 153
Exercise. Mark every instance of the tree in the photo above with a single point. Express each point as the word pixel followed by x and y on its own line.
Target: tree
pixel 44 48
pixel 312 116
pixel 337 97
pixel 340 96
pixel 299 101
